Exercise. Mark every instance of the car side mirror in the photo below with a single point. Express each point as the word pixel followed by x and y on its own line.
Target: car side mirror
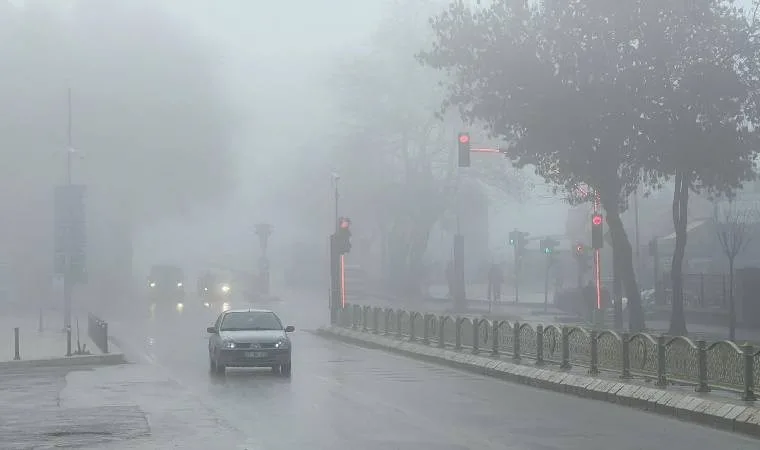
pixel 290 329
pixel 211 330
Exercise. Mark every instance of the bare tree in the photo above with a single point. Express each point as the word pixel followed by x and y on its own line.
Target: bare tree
pixel 734 230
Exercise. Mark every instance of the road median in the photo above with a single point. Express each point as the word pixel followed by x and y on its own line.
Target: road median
pixel 31 345
pixel 705 409
pixel 108 359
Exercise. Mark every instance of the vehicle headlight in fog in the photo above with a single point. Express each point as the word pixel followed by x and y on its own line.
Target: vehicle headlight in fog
pixel 152 284
pixel 225 288
pixel 228 345
pixel 225 306
pixel 207 305
pixel 180 306
pixel 180 284
pixel 205 289
pixel 283 344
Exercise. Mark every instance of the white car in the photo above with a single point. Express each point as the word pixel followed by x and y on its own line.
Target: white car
pixel 250 338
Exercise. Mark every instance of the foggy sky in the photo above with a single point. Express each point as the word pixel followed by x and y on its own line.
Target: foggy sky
pixel 274 60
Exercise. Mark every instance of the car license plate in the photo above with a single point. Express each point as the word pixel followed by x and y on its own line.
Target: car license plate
pixel 255 354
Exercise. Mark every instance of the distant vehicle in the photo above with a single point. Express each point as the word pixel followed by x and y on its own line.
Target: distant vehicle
pixel 166 289
pixel 215 290
pixel 249 338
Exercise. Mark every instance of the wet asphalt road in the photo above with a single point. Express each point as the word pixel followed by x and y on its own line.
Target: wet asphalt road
pixel 346 397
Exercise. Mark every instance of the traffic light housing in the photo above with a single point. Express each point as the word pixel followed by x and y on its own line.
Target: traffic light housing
pixel 597 231
pixel 517 239
pixel 341 240
pixel 463 141
pixel 548 245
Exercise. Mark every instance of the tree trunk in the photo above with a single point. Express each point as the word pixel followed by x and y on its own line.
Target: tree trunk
pixel 617 290
pixel 680 219
pixel 622 246
pixel 731 302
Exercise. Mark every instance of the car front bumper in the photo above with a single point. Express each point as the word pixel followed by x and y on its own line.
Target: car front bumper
pixel 253 357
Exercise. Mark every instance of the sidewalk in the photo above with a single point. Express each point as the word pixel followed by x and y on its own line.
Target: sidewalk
pixel 477 292
pixel 119 407
pixel 36 345
pixel 708 332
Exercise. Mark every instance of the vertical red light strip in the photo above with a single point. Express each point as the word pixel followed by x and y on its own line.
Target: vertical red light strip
pixel 343 280
pixel 597 261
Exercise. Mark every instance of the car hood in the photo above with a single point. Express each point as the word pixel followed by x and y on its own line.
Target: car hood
pixel 251 336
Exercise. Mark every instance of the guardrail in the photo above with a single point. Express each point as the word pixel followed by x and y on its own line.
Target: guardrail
pixel 97 330
pixel 666 359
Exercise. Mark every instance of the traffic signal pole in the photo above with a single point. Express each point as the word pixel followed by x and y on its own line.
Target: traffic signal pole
pixel 340 244
pixel 334 281
pixel 334 258
pixel 67 306
pixel 597 242
pixel 464 148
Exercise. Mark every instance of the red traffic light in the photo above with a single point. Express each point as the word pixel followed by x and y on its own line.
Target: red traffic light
pixel 464 138
pixel 597 219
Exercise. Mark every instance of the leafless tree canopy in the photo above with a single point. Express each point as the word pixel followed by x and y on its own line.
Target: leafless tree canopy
pixel 734 226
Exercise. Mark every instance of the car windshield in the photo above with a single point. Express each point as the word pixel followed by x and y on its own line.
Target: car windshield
pixel 252 320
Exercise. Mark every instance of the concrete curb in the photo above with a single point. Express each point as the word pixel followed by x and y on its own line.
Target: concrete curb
pixel 110 359
pixel 692 408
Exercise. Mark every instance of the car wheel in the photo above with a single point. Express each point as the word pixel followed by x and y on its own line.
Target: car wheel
pixel 286 369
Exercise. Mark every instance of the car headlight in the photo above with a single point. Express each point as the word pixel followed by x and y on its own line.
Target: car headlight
pixel 282 344
pixel 180 284
pixel 229 345
pixel 225 288
pixel 180 306
pixel 207 305
pixel 152 284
